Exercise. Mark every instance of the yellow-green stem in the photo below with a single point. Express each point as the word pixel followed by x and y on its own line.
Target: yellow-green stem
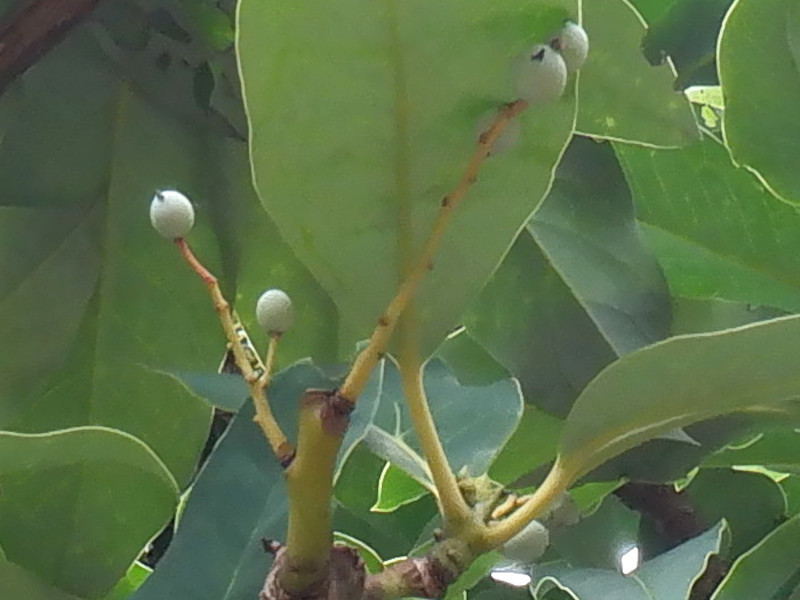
pixel 455 512
pixel 249 366
pixel 555 484
pixel 310 485
pixel 368 358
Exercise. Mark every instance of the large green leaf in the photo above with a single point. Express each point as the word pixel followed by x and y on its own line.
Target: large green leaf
pixel 242 484
pixel 355 140
pixel 97 295
pixel 588 231
pixel 761 84
pixel 716 231
pixel 764 571
pixel 681 381
pixel 717 494
pixel 621 96
pixel 78 505
pixel 533 444
pixel 598 540
pixel 551 314
pixel 16 582
pixel 667 577
pixel 531 323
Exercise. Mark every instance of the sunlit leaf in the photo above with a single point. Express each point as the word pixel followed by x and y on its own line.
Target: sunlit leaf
pixel 761 84
pixel 622 97
pixel 715 230
pixel 385 120
pixel 681 381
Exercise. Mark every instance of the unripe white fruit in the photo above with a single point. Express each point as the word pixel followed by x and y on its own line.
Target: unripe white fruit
pixel 540 76
pixel 528 545
pixel 274 311
pixel 573 44
pixel 172 214
pixel 507 140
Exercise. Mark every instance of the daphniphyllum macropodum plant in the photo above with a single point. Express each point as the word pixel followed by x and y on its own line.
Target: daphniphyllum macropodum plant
pixel 306 564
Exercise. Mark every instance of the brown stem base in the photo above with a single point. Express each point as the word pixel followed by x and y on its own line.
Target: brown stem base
pixel 344 581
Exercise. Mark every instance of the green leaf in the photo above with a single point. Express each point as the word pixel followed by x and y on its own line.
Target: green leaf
pixel 78 505
pixel 391 534
pixel 549 314
pixel 587 229
pixel 720 494
pixel 98 296
pixel 242 482
pixel 791 487
pixel 132 581
pixel 761 83
pixel 622 97
pixel 385 120
pixel 731 241
pixel 470 361
pixel 396 489
pixel 693 315
pixel 532 324
pixel 597 540
pixel 667 577
pixel 777 450
pixel 687 33
pixel 767 568
pixel 222 390
pixel 16 582
pixel 372 560
pixel 533 444
pixel 681 381
pixel 477 571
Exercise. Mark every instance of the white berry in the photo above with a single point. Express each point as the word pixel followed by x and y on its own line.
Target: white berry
pixel 528 545
pixel 573 44
pixel 274 311
pixel 540 76
pixel 507 140
pixel 172 214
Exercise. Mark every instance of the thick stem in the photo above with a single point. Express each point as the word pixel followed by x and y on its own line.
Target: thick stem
pixel 247 359
pixel 324 418
pixel 379 341
pixel 421 577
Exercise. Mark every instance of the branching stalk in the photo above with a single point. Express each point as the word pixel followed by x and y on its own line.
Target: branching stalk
pixel 555 484
pixel 379 341
pixel 247 360
pixel 455 511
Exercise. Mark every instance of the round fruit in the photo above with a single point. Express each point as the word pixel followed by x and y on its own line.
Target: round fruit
pixel 171 213
pixel 528 545
pixel 540 76
pixel 274 311
pixel 573 44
